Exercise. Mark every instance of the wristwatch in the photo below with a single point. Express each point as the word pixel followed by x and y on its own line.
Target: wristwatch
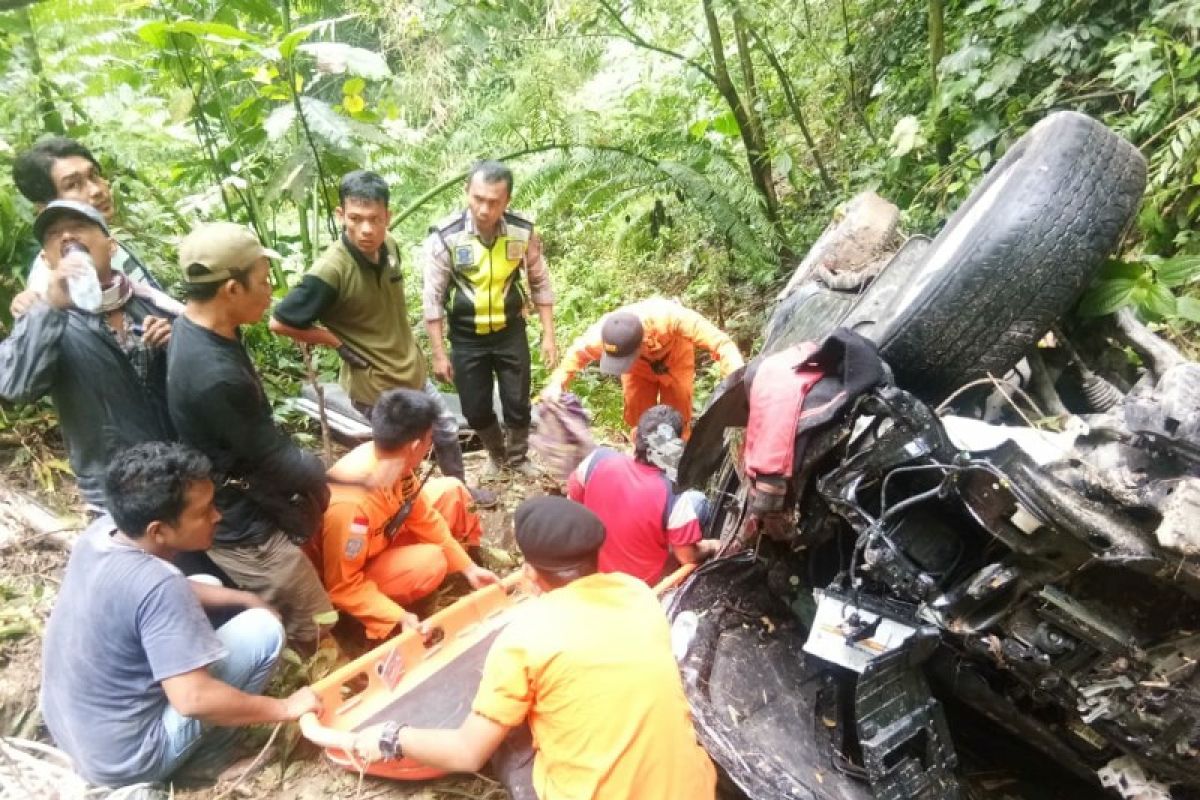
pixel 389 741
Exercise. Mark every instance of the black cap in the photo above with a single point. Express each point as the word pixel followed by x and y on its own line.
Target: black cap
pixel 622 335
pixel 67 208
pixel 557 534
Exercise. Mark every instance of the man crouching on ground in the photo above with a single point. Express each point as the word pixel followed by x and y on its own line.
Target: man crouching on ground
pixel 387 541
pixel 136 682
pixel 588 666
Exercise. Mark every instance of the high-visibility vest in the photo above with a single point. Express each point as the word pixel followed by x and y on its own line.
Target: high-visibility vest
pixel 486 294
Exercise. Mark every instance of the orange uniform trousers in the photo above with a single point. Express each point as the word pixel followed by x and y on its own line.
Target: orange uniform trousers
pixel 409 569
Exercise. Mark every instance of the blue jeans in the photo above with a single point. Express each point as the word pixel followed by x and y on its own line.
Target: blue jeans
pixel 254 639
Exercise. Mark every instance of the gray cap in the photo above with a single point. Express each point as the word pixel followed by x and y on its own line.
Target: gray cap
pixel 56 209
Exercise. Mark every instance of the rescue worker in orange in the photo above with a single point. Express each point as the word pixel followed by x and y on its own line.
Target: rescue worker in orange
pixel 652 346
pixel 587 666
pixel 387 541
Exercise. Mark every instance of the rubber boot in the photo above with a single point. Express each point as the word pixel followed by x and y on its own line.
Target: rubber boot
pixel 493 441
pixel 450 461
pixel 518 453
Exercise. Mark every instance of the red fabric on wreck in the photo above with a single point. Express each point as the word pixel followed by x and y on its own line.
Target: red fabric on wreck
pixel 776 397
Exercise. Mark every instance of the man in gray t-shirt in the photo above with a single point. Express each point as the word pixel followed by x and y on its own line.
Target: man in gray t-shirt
pixel 135 680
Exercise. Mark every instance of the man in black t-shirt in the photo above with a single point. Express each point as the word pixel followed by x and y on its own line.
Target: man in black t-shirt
pixel 270 492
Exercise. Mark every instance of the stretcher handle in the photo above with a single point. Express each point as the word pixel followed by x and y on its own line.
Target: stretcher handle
pixel 321 736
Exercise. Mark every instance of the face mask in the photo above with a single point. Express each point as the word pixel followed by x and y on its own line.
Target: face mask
pixel 664 449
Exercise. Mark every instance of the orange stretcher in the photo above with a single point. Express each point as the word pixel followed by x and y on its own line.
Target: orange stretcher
pixel 425 682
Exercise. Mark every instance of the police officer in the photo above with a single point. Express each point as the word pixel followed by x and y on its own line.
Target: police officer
pixel 473 265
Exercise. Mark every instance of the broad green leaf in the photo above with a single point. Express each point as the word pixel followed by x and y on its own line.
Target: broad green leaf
pixel 1154 300
pixel 698 128
pixel 1106 296
pixel 1115 268
pixel 1188 307
pixel 353 103
pixel 336 58
pixel 155 34
pixel 214 31
pixel 726 124
pixel 354 86
pixel 1178 270
pixel 288 46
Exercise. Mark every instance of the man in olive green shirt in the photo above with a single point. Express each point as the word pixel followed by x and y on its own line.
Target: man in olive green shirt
pixel 356 291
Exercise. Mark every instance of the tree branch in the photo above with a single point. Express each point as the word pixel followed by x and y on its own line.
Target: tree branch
pixel 633 36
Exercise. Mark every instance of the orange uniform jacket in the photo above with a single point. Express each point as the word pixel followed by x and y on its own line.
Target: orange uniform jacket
pixel 343 548
pixel 670 336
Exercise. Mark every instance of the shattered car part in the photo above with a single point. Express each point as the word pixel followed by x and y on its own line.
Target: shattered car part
pixel 1124 776
pixel 906 745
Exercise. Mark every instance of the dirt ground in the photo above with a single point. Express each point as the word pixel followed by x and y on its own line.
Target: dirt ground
pixel 30 572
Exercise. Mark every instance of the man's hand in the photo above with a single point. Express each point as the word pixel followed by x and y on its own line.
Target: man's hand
pixel 156 331
pixel 300 703
pixel 479 577
pixel 251 600
pixel 411 622
pixel 23 302
pixel 442 368
pixel 549 352
pixel 58 292
pixel 351 357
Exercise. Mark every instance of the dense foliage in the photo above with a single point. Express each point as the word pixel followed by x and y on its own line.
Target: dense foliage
pixel 689 147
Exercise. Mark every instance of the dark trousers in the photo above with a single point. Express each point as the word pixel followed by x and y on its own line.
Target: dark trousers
pixel 504 355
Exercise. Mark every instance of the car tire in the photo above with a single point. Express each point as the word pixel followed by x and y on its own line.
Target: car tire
pixel 1012 259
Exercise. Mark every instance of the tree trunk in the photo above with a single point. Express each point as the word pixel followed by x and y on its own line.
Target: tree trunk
pixel 756 149
pixel 937 49
pixel 793 102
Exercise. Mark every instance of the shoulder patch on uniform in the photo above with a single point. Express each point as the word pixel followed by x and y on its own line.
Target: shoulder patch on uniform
pixel 514 249
pixel 354 546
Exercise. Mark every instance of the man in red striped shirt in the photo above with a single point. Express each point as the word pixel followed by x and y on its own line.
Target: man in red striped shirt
pixel 647 521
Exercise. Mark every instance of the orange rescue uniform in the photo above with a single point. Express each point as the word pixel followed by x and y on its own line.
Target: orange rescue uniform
pixel 371 577
pixel 665 371
pixel 589 666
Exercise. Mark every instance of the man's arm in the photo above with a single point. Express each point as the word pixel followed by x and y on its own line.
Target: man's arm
pixel 314 335
pixel 696 553
pixel 197 694
pixel 442 368
pixel 29 356
pixel 231 412
pixel 436 270
pixel 703 333
pixel 541 292
pixel 214 597
pixel 427 525
pixel 583 351
pixel 464 749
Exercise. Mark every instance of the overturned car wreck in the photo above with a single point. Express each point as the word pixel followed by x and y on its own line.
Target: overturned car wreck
pixel 934 588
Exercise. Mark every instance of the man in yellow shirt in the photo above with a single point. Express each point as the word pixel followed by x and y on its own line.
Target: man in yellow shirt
pixel 589 667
